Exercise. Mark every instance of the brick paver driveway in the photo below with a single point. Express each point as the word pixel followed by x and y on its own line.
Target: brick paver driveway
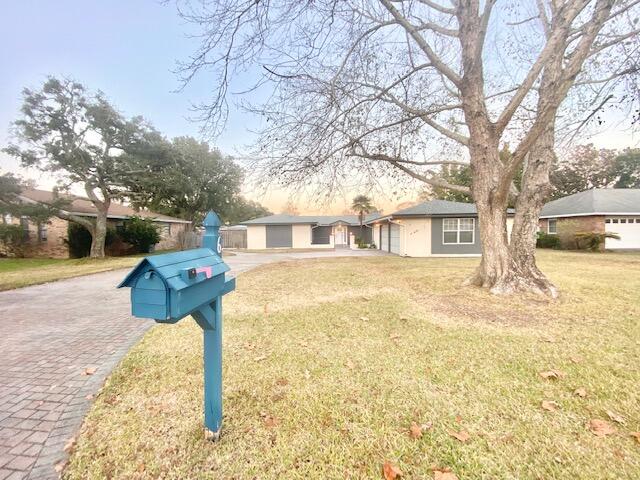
pixel 59 342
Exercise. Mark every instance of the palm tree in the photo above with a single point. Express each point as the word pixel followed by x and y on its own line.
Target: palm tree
pixel 362 205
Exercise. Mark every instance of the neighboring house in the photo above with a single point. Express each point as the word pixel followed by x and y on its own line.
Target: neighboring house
pixel 294 231
pixel 48 239
pixel 437 228
pixel 599 210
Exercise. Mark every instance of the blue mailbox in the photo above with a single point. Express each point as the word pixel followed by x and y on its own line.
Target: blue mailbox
pixel 167 288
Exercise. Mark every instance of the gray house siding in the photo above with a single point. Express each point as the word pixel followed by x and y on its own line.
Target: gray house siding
pixel 279 236
pixel 439 248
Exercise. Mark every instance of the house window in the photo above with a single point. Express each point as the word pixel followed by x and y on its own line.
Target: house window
pixel 24 223
pixel 165 230
pixel 623 220
pixel 608 220
pixel 615 220
pixel 42 232
pixel 458 230
pixel 552 226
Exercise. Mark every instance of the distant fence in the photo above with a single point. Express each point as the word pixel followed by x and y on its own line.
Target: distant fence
pixel 233 238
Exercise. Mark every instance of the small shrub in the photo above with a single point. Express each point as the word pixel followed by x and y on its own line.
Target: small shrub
pixel 545 240
pixel 593 240
pixel 141 233
pixel 373 245
pixel 79 240
pixel 12 240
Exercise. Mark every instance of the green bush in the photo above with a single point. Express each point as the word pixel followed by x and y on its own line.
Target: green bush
pixel 79 240
pixel 593 240
pixel 12 239
pixel 141 233
pixel 547 241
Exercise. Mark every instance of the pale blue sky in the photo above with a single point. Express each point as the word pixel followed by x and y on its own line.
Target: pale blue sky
pixel 128 49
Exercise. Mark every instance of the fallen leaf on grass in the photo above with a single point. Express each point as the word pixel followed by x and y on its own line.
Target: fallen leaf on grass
pixel 576 359
pixel 282 382
pixel 364 319
pixel 580 392
pixel 458 418
pixel 601 428
pixel 615 417
pixel 635 435
pixel 260 358
pixel 462 435
pixel 141 468
pixel 550 405
pixel 415 431
pixel 270 421
pixel 443 474
pixel 390 471
pixel 552 374
pixel 89 371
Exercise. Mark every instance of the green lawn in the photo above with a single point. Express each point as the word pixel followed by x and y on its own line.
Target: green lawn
pixel 329 362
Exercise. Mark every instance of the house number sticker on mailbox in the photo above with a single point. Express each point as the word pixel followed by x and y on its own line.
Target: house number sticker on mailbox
pixel 169 287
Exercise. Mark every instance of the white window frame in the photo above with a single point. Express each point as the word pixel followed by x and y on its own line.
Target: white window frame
pixel 555 229
pixel 457 230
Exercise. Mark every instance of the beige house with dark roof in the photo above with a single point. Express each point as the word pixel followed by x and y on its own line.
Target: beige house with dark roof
pixel 48 240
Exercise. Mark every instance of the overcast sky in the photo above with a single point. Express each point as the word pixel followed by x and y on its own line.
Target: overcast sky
pixel 128 49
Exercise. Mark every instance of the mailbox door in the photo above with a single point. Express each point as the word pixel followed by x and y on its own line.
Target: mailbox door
pixel 149 297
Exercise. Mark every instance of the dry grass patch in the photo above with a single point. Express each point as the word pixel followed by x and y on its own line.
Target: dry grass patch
pixel 327 379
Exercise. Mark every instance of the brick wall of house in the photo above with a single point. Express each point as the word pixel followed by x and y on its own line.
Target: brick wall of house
pixel 54 245
pixel 569 226
pixel 170 235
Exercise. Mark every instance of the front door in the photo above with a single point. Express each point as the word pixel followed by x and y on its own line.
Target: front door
pixel 340 236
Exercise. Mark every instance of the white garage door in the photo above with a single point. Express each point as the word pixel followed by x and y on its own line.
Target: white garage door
pixel 384 240
pixel 395 239
pixel 629 231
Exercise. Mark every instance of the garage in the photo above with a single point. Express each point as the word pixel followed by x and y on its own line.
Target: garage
pixel 395 239
pixel 384 237
pixel 627 228
pixel 279 236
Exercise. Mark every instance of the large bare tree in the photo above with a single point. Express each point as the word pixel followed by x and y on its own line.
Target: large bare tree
pixel 401 87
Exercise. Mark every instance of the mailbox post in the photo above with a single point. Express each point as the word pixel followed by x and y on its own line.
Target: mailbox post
pixel 169 287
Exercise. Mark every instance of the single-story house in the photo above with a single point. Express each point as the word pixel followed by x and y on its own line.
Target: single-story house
pixel 429 229
pixel 318 231
pixel 597 210
pixel 437 228
pixel 48 239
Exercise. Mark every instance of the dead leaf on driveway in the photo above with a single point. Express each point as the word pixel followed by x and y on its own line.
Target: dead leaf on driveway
pixel 601 428
pixel 70 444
pixel 89 371
pixel 462 435
pixel 552 374
pixel 390 471
pixel 635 435
pixel 616 418
pixel 550 405
pixel 580 392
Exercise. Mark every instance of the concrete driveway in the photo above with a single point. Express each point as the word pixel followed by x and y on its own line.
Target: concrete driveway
pixel 59 342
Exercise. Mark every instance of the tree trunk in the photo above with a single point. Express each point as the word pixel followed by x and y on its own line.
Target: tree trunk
pixel 99 232
pixel 535 190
